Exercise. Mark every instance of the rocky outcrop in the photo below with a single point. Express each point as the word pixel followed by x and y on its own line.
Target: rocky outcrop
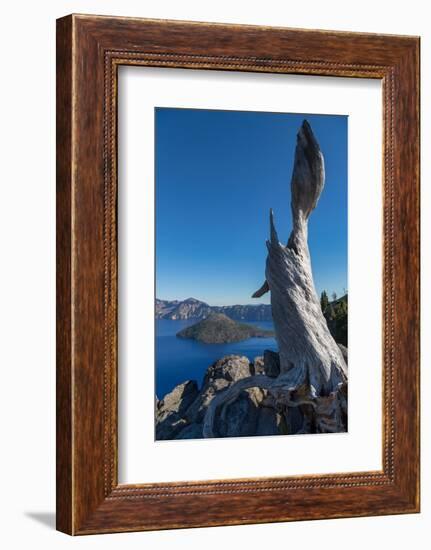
pixel 181 413
pixel 171 409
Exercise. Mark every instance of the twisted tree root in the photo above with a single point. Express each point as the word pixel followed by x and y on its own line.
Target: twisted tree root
pixel 288 390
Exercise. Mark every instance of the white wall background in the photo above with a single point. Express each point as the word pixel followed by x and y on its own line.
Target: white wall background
pixel 27 286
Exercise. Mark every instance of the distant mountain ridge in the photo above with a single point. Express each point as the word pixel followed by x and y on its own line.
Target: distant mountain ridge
pixel 196 309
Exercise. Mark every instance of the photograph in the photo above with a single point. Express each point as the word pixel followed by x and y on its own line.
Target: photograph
pixel 251 273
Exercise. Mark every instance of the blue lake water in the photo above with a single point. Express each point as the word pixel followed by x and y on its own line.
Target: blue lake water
pixel 178 359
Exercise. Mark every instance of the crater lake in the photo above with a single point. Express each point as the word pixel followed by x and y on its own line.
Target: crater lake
pixel 179 359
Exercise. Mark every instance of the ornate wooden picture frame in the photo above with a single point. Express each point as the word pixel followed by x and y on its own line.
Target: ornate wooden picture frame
pixel 89 51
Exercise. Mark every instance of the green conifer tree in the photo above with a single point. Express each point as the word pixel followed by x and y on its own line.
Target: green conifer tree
pixel 324 301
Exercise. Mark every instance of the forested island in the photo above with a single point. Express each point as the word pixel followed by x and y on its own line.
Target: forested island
pixel 220 329
pixel 335 312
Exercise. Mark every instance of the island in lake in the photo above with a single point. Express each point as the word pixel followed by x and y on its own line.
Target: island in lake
pixel 220 329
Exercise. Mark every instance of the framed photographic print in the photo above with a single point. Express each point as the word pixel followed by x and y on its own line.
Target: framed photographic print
pixel 237 274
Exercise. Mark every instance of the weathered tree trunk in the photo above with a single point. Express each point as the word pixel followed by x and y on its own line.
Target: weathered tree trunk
pixel 313 373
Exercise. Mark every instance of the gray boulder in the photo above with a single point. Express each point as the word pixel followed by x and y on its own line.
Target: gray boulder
pixel 240 418
pixel 271 361
pixel 247 415
pixel 180 414
pixel 218 377
pixel 192 431
pixel 269 422
pixel 171 409
pixel 258 366
pixel 230 368
pixel 170 426
pixel 180 398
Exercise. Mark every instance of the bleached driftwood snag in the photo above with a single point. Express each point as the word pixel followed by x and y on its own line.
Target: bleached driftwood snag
pixel 313 373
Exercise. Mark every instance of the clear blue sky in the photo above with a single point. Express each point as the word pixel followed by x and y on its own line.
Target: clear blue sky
pixel 217 175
